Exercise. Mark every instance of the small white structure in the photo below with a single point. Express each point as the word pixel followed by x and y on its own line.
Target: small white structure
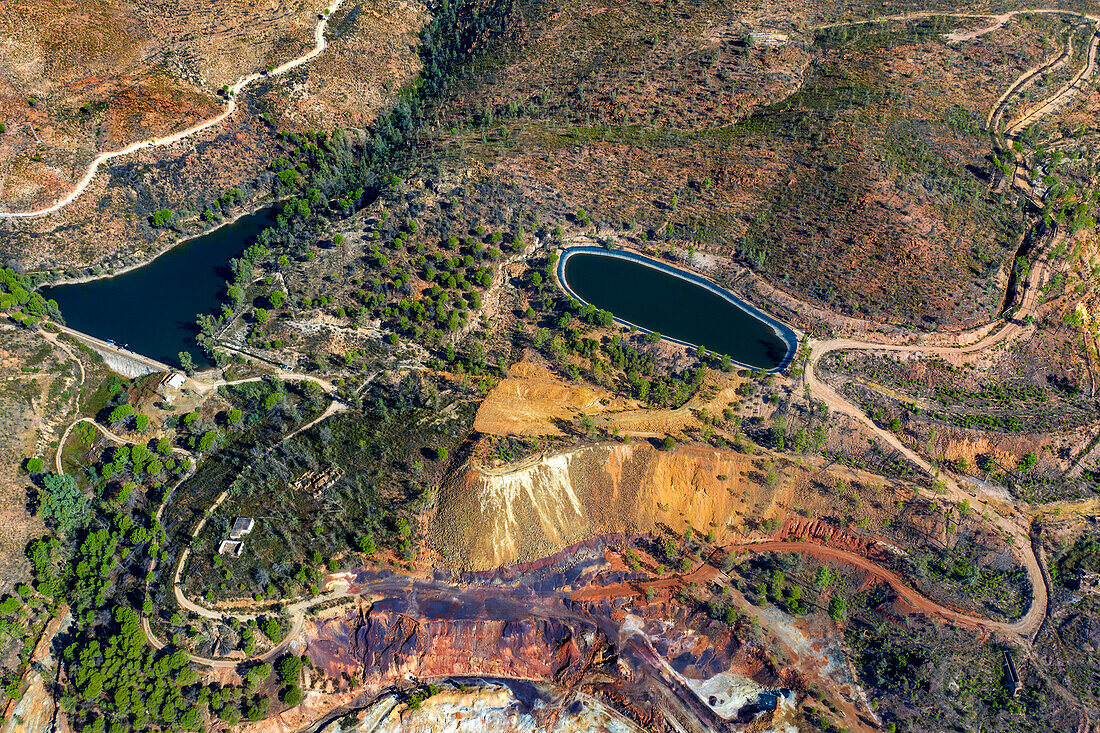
pixel 241 527
pixel 231 547
pixel 175 380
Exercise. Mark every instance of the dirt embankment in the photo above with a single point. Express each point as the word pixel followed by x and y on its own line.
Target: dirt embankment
pixel 533 401
pixel 491 518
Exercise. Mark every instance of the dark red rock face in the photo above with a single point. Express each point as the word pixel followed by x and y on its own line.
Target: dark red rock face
pixel 518 625
pixel 389 647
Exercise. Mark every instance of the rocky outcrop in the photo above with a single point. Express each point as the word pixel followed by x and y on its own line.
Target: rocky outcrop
pixel 34 711
pixel 648 661
pixel 381 647
pixel 493 707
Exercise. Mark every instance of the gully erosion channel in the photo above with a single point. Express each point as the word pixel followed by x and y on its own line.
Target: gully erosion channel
pixel 152 309
pixel 678 305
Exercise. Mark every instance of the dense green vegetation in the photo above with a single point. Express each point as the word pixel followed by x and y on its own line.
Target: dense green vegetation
pixel 161 218
pixel 98 560
pixel 797 584
pixel 325 177
pixel 116 679
pixel 343 494
pixel 18 299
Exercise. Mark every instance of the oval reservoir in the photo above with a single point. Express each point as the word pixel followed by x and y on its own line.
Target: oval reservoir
pixel 678 305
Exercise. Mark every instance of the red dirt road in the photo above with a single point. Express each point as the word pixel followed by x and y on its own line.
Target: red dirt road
pixel 911 596
pixel 707 572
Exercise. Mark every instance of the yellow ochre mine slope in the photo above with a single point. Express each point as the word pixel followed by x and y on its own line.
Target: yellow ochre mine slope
pixel 488 517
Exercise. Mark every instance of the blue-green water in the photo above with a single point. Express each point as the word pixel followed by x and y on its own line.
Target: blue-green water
pixel 678 305
pixel 152 309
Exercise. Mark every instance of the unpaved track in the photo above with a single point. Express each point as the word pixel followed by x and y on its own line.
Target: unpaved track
pixel 913 597
pixel 1059 59
pixel 957 36
pixel 319 45
pixel 1062 96
pixel 53 339
pixel 110 435
pixel 65 438
pixel 1041 109
pixel 1016 525
pixel 201 384
pixel 297 611
pixel 333 408
pixel 205 385
pixel 708 571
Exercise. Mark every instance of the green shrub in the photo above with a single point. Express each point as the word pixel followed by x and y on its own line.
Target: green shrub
pixel 366 545
pixel 272 629
pixel 289 668
pixel 63 504
pixel 293 696
pixel 120 413
pixel 161 218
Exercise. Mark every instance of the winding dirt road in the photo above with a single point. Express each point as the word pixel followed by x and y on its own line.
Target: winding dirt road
pixel 709 570
pixel 1016 525
pixel 1059 59
pixel 320 43
pixel 203 387
pixel 1013 523
pixel 1022 626
pixel 1063 95
pixel 319 46
pixel 1042 108
pixel 110 436
pixel 53 339
pixel 297 611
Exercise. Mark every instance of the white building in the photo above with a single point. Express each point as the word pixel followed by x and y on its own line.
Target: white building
pixel 231 547
pixel 241 527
